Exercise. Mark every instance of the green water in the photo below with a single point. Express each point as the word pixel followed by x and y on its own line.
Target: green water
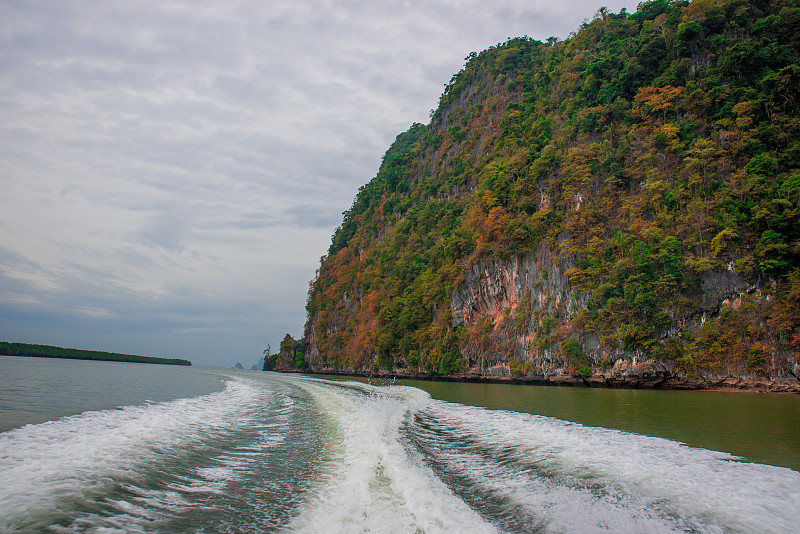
pixel 147 449
pixel 762 428
pixel 35 390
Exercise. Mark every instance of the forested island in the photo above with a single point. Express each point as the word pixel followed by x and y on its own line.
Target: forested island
pixel 47 351
pixel 620 208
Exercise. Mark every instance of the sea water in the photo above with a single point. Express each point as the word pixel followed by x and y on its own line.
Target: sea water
pixel 262 452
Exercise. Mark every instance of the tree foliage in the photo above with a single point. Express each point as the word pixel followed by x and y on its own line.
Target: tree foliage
pixel 48 351
pixel 657 150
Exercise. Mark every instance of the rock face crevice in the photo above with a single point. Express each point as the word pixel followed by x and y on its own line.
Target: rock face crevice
pixel 494 286
pixel 525 302
pixel 523 298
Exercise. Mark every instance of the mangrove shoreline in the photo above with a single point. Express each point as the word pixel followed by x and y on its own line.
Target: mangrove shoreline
pixel 49 351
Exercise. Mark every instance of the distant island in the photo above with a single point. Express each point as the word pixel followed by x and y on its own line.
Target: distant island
pixel 47 351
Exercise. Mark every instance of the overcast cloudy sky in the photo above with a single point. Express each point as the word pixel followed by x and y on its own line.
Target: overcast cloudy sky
pixel 172 171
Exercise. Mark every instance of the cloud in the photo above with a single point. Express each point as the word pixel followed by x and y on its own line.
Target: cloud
pixel 172 171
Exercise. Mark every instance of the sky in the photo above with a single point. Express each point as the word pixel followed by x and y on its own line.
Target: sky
pixel 171 172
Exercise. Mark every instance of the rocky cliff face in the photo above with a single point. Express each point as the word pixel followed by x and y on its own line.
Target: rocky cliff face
pixel 514 305
pixel 520 305
pixel 619 208
pixel 516 312
pixel 288 355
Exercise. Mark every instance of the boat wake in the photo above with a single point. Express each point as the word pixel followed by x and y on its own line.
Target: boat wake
pixel 296 454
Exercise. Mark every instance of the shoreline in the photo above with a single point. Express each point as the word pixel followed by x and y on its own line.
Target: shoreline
pixel 661 382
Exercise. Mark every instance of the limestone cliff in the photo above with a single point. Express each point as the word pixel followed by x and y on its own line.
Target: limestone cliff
pixel 618 208
pixel 290 356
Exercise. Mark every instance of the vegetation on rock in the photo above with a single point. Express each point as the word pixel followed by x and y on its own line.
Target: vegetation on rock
pixel 291 356
pixel 630 193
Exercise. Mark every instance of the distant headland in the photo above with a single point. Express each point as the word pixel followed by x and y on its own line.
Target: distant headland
pixel 47 351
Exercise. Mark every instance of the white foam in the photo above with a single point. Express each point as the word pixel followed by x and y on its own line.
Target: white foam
pixel 543 474
pixel 583 479
pixel 392 460
pixel 368 482
pixel 78 456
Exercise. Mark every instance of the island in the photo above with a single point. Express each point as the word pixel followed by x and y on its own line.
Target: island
pixel 617 209
pixel 48 351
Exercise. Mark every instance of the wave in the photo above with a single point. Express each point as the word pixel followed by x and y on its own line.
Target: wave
pixel 136 467
pixel 368 482
pixel 533 473
pixel 402 462
pixel 295 454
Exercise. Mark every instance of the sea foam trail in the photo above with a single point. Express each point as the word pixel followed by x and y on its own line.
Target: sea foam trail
pixel 74 462
pixel 532 473
pixel 397 461
pixel 285 453
pixel 368 482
